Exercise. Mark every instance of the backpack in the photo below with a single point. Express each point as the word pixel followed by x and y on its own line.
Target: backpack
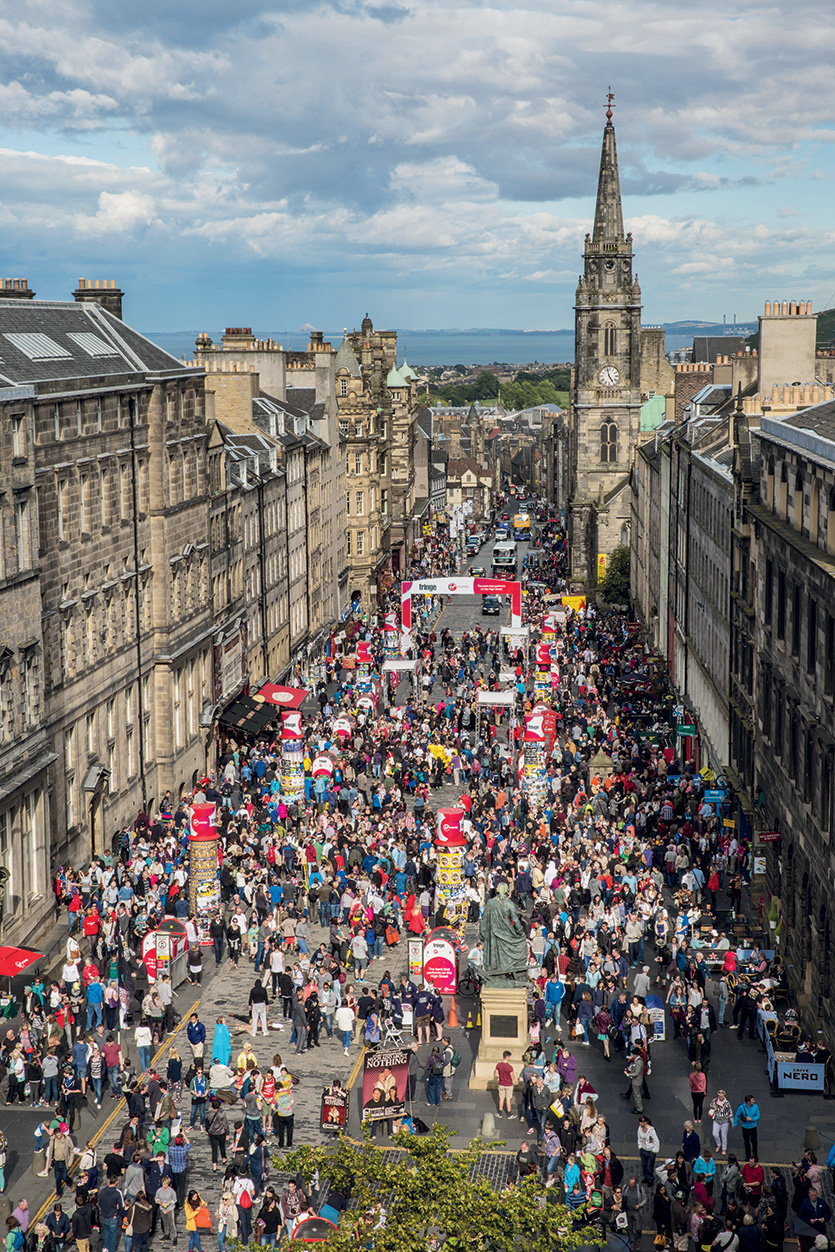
pixel 438 1068
pixel 455 1060
pixel 245 1200
pixel 17 1238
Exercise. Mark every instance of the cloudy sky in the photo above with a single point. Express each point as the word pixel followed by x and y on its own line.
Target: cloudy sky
pixel 431 162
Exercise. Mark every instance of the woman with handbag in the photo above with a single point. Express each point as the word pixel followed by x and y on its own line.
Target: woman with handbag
pixel 198 1219
pixel 227 1220
pixel 269 1219
pixel 140 1219
pixel 602 1024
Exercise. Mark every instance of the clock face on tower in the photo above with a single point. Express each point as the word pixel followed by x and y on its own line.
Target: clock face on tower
pixel 609 376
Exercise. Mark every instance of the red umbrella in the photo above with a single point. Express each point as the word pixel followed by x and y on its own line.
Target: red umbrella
pixel 16 960
pixel 284 697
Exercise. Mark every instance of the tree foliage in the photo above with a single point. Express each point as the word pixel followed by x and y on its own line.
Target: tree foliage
pixel 615 586
pixel 485 386
pixel 432 1197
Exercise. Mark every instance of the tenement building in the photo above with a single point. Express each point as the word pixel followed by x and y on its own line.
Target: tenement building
pixel 734 572
pixel 256 384
pixel 105 587
pixel 786 575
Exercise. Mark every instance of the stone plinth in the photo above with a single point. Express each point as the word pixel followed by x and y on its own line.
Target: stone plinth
pixel 504 1028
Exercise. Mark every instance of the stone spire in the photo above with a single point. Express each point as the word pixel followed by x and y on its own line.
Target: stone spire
pixel 608 214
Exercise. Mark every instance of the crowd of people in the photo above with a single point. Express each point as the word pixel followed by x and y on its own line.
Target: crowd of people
pixel 616 863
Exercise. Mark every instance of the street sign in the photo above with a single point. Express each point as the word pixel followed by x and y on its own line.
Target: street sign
pixel 769 836
pixel 687 732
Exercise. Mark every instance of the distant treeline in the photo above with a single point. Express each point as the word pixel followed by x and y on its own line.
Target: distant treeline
pixel 526 392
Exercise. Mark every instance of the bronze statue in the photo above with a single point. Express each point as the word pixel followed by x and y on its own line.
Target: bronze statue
pixel 505 941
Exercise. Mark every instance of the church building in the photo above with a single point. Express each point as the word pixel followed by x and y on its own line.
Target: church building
pixel 605 416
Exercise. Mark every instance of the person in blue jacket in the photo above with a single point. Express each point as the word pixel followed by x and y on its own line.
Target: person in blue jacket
pixel 747 1116
pixel 554 995
pixel 196 1033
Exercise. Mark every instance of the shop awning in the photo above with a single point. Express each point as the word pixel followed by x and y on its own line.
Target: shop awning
pixel 282 697
pixel 247 715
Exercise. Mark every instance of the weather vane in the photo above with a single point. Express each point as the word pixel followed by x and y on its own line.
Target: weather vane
pixel 610 97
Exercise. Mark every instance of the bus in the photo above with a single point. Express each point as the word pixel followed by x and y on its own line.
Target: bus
pixel 504 560
pixel 522 526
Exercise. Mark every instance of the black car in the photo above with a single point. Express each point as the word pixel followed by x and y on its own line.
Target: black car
pixel 491 605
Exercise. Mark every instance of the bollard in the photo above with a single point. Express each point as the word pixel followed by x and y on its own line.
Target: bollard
pixel 812 1139
pixel 488 1126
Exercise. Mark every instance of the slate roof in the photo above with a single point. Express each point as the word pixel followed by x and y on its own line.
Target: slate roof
pixel 51 341
pixel 706 348
pixel 346 359
pixel 819 419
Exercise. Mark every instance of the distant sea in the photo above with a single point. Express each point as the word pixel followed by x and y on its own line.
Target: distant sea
pixel 443 347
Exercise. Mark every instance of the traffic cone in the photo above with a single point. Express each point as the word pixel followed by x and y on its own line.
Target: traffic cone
pixel 470 1023
pixel 478 1020
pixel 453 1016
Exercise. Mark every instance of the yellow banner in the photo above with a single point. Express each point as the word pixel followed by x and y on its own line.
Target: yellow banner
pixel 573 602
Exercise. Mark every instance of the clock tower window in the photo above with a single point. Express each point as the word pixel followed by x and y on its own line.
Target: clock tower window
pixel 609 339
pixel 608 442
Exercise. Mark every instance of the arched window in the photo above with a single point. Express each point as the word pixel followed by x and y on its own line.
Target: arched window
pixel 609 339
pixel 608 442
pixel 624 536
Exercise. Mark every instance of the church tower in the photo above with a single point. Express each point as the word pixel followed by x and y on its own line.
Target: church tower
pixel 606 401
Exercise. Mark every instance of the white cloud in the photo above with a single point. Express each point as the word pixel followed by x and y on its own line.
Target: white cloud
pixel 265 135
pixel 121 212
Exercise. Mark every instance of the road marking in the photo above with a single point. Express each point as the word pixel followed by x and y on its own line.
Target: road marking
pixel 53 1198
pixel 355 1071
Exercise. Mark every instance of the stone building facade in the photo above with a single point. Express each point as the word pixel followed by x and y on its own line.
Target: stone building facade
pixel 298 407
pixel 786 580
pixel 105 523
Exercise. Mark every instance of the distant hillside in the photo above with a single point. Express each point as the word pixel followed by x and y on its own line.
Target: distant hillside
pixel 825 335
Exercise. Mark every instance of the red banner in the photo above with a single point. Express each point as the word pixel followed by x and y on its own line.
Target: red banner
pixel 203 821
pixel 449 833
pixel 291 726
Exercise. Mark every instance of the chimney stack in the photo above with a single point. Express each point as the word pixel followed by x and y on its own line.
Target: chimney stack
pixel 100 291
pixel 16 289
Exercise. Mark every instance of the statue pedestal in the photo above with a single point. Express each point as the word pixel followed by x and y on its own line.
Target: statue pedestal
pixel 504 1028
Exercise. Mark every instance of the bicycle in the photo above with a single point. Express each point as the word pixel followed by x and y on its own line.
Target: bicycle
pixel 470 984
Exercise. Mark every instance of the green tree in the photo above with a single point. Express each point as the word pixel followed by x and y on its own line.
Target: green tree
pixel 615 586
pixel 431 1196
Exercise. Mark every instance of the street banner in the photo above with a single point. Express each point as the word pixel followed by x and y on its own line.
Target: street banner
pixel 440 966
pixel 291 726
pixel 385 1079
pixel 415 958
pixel 334 1112
pixel 449 829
